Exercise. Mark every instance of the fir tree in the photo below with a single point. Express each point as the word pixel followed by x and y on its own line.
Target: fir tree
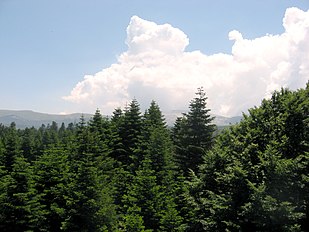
pixel 16 202
pixel 255 177
pixel 130 130
pixel 91 205
pixel 144 193
pixel 51 175
pixel 193 134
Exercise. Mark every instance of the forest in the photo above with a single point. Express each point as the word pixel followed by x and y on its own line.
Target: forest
pixel 131 172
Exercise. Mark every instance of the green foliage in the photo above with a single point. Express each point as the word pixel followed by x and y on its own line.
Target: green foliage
pixel 153 117
pixel 145 193
pixel 132 173
pixel 51 174
pixel 153 204
pixel 133 221
pixel 255 177
pixel 90 205
pixel 193 134
pixel 17 202
pixel 129 131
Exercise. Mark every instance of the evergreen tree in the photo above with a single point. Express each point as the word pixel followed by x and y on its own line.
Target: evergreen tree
pixel 51 175
pixel 159 151
pixel 133 221
pixel 255 178
pixel 144 193
pixel 50 135
pixel 193 134
pixel 170 219
pixel 17 202
pixel 130 130
pixel 100 125
pixel 200 129
pixel 132 126
pixel 91 206
pixel 118 151
pixel 29 146
pixel 153 117
pixel 155 144
pixel 150 204
pixel 12 147
pixel 100 132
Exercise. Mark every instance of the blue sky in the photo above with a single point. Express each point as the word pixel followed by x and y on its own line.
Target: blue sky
pixel 47 47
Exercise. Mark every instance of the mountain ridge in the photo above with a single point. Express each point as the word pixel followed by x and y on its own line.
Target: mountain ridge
pixel 29 118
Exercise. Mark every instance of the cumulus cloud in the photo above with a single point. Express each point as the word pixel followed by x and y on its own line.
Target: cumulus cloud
pixel 157 66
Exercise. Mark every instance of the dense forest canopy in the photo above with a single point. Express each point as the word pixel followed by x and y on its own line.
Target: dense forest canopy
pixel 131 172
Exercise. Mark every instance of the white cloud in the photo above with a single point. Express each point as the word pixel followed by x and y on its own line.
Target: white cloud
pixel 156 66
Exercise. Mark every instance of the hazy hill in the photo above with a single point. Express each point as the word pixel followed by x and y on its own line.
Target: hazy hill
pixel 28 118
pixel 219 120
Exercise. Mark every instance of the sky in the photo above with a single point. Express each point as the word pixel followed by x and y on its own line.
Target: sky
pixel 66 56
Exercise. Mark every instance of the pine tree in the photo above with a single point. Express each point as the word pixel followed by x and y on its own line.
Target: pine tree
pixel 159 151
pixel 200 129
pixel 100 126
pixel 144 193
pixel 130 130
pixel 255 178
pixel 153 117
pixel 29 146
pixel 193 134
pixel 133 221
pixel 51 175
pixel 50 135
pixel 17 204
pixel 118 151
pixel 12 147
pixel 91 205
pixel 100 132
pixel 155 143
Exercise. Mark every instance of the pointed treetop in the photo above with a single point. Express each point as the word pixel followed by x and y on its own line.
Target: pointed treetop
pixel 153 115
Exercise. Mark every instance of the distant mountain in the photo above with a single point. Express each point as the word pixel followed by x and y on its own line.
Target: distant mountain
pixel 28 118
pixel 219 120
pixel 224 121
